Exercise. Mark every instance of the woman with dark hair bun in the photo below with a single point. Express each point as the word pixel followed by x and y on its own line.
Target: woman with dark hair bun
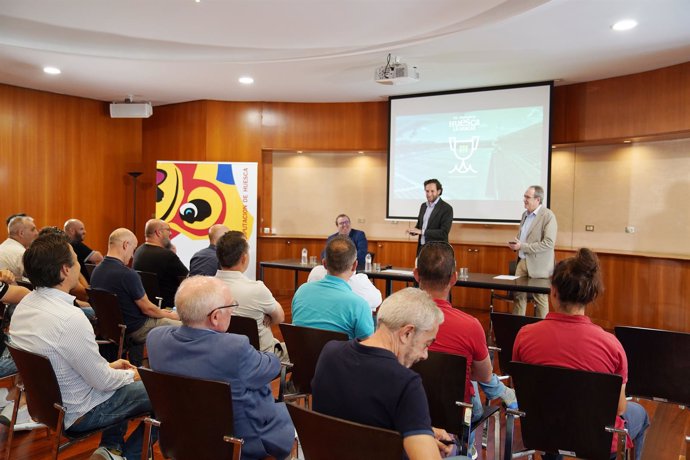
pixel 568 338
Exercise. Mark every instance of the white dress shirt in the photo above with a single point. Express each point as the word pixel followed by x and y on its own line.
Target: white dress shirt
pixel 47 323
pixel 11 257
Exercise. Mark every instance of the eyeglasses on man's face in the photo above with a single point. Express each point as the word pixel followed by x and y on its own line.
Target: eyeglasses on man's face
pixel 232 305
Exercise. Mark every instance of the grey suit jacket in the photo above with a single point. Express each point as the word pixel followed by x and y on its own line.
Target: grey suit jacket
pixel 539 245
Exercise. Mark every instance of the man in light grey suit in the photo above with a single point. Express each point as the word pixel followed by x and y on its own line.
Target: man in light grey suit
pixel 535 243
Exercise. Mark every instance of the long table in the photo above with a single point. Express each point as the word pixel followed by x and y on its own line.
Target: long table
pixel 474 280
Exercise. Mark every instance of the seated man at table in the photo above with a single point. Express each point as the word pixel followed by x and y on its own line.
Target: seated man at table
pixel 330 303
pixel 370 382
pixel 358 237
pixel 460 333
pixel 201 348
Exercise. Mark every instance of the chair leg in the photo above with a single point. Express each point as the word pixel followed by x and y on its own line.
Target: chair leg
pixel 497 435
pixel 10 432
pixel 58 430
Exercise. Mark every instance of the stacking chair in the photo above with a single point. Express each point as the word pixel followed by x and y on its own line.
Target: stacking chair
pixel 444 377
pixel 566 411
pixel 44 399
pixel 505 328
pixel 329 438
pixel 111 326
pixel 658 369
pixel 151 287
pixel 194 417
pixel 304 345
pixel 245 326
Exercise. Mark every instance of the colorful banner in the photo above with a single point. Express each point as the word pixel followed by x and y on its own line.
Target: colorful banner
pixel 193 196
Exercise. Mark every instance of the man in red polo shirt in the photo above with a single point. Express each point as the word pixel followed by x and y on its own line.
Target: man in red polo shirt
pixel 460 333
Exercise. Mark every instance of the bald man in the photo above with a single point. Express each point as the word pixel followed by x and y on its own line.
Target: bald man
pixel 74 228
pixel 155 256
pixel 113 275
pixel 21 232
pixel 205 262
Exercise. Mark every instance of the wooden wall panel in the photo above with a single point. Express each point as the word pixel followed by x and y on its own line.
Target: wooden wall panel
pixel 643 104
pixel 64 157
pixel 233 131
pixel 336 126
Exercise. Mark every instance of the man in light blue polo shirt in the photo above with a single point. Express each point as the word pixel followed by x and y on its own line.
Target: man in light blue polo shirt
pixel 330 303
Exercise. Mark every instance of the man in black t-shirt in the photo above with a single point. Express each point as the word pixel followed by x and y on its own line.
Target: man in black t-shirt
pixel 153 256
pixel 74 228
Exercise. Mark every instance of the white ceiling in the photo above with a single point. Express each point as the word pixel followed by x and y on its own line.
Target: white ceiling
pixel 170 51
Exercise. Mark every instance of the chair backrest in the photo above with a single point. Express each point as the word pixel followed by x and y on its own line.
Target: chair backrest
pixel 506 328
pixel 658 363
pixel 40 384
pixel 443 377
pixel 108 313
pixel 329 438
pixel 566 409
pixel 245 326
pixel 194 415
pixel 150 282
pixel 25 284
pixel 90 268
pixel 304 345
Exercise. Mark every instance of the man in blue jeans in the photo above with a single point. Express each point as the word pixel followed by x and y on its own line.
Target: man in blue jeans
pixel 94 392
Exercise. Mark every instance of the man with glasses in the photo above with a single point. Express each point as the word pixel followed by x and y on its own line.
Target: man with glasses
pixel 358 237
pixel 156 256
pixel 202 349
pixel 113 275
pixel 535 244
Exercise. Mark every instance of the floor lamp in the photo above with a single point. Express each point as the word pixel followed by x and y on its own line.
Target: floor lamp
pixel 135 175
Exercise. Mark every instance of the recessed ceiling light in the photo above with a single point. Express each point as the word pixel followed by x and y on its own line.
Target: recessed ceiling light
pixel 52 70
pixel 625 24
pixel 361 152
pixel 246 80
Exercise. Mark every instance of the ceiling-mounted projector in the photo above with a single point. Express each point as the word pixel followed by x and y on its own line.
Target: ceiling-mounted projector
pixel 130 109
pixel 396 73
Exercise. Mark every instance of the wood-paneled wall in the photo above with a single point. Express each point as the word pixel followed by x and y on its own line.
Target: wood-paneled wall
pixel 644 104
pixel 639 291
pixel 64 157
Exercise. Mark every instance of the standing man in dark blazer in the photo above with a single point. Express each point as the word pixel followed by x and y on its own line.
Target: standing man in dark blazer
pixel 435 216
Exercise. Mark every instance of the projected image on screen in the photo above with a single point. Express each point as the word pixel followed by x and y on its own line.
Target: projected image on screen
pixel 486 148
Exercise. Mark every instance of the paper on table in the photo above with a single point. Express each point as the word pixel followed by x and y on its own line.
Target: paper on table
pixel 506 277
pixel 398 272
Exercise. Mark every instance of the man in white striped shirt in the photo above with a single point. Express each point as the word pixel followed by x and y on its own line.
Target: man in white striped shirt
pixel 95 393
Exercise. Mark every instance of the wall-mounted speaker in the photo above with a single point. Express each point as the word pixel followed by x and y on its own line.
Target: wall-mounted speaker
pixel 131 110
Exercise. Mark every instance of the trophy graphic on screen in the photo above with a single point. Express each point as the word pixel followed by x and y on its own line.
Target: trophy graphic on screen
pixel 463 149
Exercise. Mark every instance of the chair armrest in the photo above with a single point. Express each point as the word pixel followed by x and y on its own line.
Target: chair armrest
pixel 494 349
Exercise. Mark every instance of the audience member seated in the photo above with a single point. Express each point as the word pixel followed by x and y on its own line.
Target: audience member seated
pixel 10 294
pixel 254 298
pixel 113 275
pixel 205 262
pixel 370 381
pixel 79 291
pixel 359 282
pixel 74 228
pixel 202 349
pixel 568 338
pixel 21 231
pixel 358 237
pixel 94 393
pixel 330 303
pixel 460 333
pixel 155 256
